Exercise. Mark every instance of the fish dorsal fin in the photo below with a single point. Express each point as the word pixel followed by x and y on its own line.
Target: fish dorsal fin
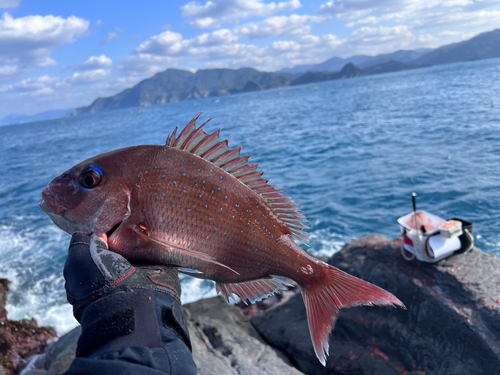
pixel 217 152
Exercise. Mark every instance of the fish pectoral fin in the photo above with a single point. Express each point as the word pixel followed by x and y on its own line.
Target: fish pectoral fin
pixel 182 250
pixel 252 291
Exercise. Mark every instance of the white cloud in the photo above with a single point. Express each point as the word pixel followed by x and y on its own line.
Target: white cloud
pixel 144 64
pixel 218 12
pixel 9 3
pixel 8 70
pixel 89 77
pixel 293 25
pixel 94 62
pixel 448 33
pixel 27 42
pixel 30 84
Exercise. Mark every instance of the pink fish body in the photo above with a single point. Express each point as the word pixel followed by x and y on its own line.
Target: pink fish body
pixel 196 204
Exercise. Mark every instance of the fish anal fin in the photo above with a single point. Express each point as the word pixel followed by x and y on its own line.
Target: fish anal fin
pixel 183 251
pixel 252 291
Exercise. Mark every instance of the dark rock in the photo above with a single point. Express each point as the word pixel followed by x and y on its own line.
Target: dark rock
pixel 19 339
pixel 451 325
pixel 61 354
pixel 224 342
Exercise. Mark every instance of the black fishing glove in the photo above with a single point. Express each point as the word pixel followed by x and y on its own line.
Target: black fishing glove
pixel 120 305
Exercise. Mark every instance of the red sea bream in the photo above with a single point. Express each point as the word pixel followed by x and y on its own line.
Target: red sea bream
pixel 196 204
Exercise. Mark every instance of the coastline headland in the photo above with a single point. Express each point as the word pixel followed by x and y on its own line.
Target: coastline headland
pixel 450 325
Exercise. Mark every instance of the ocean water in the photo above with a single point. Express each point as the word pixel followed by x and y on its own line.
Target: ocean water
pixel 349 152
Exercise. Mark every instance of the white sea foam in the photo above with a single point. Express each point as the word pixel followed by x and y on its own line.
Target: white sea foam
pixel 194 289
pixel 325 242
pixel 32 260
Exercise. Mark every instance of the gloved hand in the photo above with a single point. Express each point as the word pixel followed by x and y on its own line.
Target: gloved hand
pixel 118 304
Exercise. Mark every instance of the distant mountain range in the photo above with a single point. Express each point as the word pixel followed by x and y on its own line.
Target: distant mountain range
pixel 48 115
pixel 362 61
pixel 175 85
pixel 483 46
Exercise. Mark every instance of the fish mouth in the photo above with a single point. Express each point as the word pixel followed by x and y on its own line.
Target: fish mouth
pixel 49 204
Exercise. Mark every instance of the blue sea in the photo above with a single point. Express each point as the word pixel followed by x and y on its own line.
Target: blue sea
pixel 349 152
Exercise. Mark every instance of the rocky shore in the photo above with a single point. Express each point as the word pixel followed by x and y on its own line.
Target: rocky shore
pixel 451 325
pixel 19 339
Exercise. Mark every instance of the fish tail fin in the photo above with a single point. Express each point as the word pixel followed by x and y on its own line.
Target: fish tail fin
pixel 324 296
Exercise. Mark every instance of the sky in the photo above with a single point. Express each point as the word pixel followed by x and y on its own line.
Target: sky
pixel 64 54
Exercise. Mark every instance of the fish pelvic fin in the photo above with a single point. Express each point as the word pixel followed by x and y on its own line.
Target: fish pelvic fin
pixel 209 147
pixel 183 251
pixel 334 290
pixel 252 291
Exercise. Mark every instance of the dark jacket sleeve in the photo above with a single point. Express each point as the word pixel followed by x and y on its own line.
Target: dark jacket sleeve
pixel 138 331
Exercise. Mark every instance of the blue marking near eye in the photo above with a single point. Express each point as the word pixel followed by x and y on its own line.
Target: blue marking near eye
pixel 175 182
pixel 96 168
pixel 156 167
pixel 201 195
pixel 221 177
pixel 196 185
pixel 207 207
pixel 185 191
pixel 146 171
pixel 216 228
pixel 218 188
pixel 183 174
pixel 226 196
pixel 163 175
pixel 189 209
pixel 212 191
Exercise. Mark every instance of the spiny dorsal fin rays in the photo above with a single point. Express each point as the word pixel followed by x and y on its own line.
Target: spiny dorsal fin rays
pixel 196 137
pixel 210 148
pixel 207 143
pixel 171 138
pixel 216 151
pixel 186 132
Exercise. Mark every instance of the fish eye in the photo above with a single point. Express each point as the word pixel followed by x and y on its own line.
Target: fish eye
pixel 90 178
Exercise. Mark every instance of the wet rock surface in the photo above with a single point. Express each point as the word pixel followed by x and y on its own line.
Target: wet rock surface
pixel 451 325
pixel 19 339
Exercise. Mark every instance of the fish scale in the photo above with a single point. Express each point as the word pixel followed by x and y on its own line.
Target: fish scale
pixel 196 204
